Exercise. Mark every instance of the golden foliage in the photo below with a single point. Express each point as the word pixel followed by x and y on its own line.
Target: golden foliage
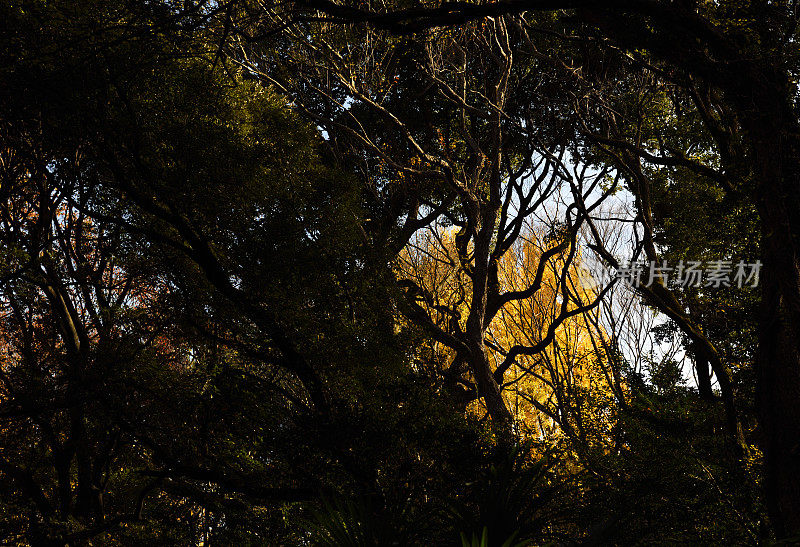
pixel 563 389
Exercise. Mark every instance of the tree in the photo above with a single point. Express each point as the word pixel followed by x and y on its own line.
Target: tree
pixel 197 343
pixel 703 41
pixel 262 268
pixel 468 152
pixel 553 383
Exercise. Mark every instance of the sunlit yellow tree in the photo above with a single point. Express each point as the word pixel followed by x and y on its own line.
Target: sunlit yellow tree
pixel 544 352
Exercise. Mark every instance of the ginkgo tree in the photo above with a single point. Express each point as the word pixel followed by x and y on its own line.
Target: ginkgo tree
pixel 557 362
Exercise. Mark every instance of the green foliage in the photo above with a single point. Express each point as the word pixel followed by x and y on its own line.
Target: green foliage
pixel 513 500
pixel 483 540
pixel 239 377
pixel 348 523
pixel 671 478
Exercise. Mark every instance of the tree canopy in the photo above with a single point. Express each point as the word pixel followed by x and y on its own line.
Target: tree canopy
pixel 336 273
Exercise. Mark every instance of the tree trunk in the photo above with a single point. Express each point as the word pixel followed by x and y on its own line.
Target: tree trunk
pixel 779 405
pixel 773 133
pixel 488 388
pixel 778 364
pixel 703 374
pixel 493 399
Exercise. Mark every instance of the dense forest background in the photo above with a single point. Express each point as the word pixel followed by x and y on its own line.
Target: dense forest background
pixel 346 273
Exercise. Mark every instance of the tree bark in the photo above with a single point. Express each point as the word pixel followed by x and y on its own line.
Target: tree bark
pixel 703 373
pixel 773 135
pixel 778 393
pixel 488 387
